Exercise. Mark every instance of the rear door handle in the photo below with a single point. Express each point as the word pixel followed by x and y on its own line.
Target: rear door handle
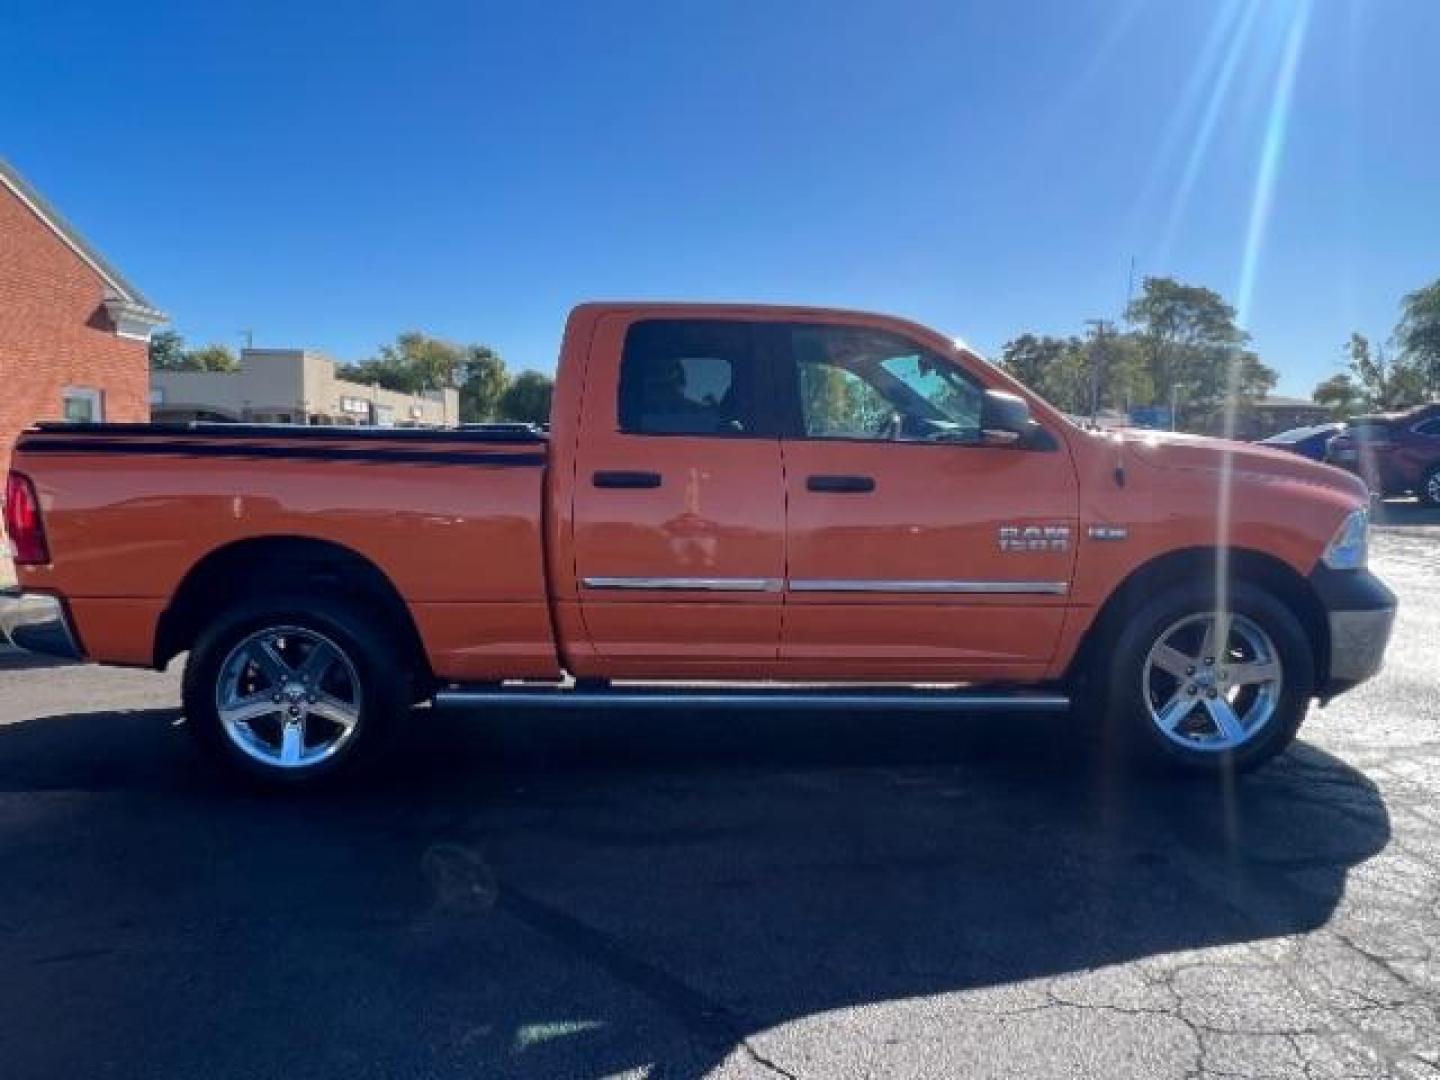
pixel 841 484
pixel 620 478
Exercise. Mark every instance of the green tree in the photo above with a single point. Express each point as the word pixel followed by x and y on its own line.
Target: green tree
pixel 1186 336
pixel 1384 382
pixel 167 351
pixel 1074 373
pixel 1113 369
pixel 527 398
pixel 213 357
pixel 482 382
pixel 1053 367
pixel 414 362
pixel 1340 395
pixel 1030 359
pixel 1418 334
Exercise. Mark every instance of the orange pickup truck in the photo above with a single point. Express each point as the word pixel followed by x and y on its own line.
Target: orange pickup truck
pixel 769 507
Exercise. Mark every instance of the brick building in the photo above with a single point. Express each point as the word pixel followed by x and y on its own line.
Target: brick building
pixel 73 331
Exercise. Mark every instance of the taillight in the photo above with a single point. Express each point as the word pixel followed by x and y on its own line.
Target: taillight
pixel 22 521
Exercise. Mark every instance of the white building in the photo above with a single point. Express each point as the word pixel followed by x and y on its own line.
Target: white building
pixel 292 386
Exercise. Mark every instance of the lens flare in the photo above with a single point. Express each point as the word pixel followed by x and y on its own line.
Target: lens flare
pixel 1261 200
pixel 1216 67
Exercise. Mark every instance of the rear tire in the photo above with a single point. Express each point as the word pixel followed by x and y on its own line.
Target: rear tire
pixel 295 690
pixel 1175 697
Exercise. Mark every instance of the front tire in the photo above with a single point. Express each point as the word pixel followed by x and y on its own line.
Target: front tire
pixel 1199 689
pixel 294 690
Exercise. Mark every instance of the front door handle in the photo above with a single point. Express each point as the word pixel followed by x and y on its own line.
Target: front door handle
pixel 621 478
pixel 841 484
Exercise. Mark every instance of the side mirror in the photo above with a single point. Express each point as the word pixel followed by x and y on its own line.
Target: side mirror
pixel 1004 419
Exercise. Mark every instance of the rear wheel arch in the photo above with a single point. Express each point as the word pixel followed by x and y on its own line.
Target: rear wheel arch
pixel 1176 568
pixel 231 574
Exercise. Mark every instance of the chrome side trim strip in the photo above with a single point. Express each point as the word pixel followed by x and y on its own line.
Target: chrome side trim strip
pixel 701 584
pixel 742 697
pixel 1052 588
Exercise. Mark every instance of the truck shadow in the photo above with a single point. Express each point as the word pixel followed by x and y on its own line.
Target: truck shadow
pixel 12 659
pixel 573 896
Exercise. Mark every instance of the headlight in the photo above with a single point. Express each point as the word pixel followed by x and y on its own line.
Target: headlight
pixel 1350 544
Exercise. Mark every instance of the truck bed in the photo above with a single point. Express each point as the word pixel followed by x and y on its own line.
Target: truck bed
pixel 452 515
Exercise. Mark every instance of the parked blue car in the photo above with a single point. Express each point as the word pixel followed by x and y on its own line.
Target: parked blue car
pixel 1308 442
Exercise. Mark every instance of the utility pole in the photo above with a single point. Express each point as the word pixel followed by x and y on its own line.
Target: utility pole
pixel 1100 328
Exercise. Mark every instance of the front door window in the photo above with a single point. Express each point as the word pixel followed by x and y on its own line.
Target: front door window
pixel 857 383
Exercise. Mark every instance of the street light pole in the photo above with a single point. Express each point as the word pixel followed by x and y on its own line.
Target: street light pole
pixel 1175 389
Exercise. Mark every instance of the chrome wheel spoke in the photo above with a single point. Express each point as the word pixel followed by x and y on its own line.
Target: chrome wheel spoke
pixel 321 657
pixel 1217 637
pixel 1170 659
pixel 245 709
pixel 336 711
pixel 269 660
pixel 1226 722
pixel 1174 711
pixel 292 741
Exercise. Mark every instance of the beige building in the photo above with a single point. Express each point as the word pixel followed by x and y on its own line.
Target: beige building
pixel 292 386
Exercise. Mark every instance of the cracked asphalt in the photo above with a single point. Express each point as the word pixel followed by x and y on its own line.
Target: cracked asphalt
pixel 738 896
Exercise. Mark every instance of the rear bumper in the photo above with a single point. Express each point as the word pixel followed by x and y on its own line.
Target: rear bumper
pixel 1361 612
pixel 38 623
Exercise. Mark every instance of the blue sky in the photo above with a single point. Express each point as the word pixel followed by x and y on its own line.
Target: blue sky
pixel 331 174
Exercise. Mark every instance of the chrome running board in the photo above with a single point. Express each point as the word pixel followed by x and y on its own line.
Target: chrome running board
pixel 780 699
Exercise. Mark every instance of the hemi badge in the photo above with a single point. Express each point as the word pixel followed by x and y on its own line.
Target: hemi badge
pixel 1108 532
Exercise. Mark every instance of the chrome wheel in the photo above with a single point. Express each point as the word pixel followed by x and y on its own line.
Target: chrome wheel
pixel 1432 488
pixel 288 697
pixel 1212 681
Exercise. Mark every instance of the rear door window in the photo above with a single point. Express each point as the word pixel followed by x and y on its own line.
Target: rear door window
pixel 690 377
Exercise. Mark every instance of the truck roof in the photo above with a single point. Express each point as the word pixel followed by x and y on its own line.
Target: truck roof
pixel 754 310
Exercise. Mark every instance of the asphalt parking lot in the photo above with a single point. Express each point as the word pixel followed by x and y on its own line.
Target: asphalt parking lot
pixel 737 896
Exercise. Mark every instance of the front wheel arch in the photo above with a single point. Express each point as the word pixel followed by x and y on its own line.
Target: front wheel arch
pixel 1200 564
